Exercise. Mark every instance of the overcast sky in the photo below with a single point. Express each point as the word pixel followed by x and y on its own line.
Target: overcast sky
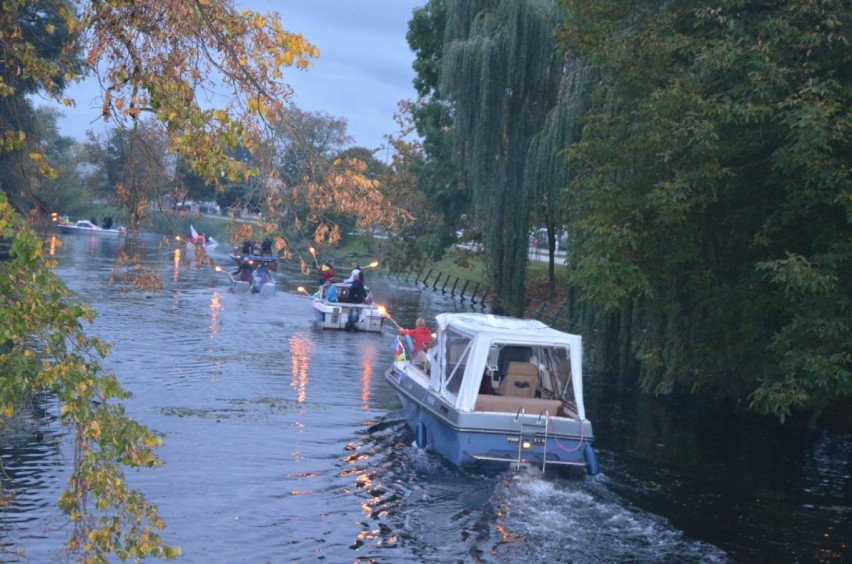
pixel 363 70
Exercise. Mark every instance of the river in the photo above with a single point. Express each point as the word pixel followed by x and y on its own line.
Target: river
pixel 283 444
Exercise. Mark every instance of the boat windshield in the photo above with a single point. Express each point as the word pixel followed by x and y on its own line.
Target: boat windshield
pixel 558 362
pixel 455 360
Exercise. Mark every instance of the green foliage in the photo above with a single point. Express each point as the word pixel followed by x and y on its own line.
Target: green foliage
pixel 38 52
pixel 48 350
pixel 436 174
pixel 499 71
pixel 712 189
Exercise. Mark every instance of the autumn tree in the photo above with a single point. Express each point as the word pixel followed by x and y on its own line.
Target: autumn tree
pixel 131 168
pixel 64 190
pixel 418 239
pixel 38 53
pixel 47 349
pixel 213 79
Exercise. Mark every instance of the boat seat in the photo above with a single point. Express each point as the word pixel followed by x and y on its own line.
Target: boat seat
pixel 532 406
pixel 520 380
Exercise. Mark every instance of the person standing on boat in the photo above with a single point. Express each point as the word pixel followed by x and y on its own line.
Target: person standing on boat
pixel 417 339
pixel 244 272
pixel 356 269
pixel 357 293
pixel 326 272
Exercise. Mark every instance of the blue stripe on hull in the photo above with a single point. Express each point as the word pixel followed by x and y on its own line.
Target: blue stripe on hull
pixel 458 446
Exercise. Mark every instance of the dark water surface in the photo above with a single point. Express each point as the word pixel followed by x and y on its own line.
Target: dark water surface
pixel 284 444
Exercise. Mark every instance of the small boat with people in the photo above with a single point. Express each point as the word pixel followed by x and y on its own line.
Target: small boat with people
pixel 200 239
pixel 497 390
pixel 333 311
pixel 91 228
pixel 246 279
pixel 256 254
pixel 199 245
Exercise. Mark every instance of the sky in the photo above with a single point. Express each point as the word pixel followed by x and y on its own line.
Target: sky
pixel 363 70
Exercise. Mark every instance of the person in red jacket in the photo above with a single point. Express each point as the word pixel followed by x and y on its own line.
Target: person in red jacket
pixel 326 272
pixel 416 340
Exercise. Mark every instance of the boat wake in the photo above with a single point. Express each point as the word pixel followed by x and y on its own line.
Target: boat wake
pixel 427 507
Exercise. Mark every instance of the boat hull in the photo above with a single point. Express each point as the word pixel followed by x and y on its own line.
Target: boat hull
pixel 335 315
pixel 91 232
pixel 489 438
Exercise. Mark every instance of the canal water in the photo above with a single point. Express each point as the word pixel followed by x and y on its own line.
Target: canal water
pixel 283 444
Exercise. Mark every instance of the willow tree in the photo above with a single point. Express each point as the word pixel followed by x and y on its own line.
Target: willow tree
pixel 547 174
pixel 499 70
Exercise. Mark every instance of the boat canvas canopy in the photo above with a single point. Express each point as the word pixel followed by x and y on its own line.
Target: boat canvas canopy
pixel 485 330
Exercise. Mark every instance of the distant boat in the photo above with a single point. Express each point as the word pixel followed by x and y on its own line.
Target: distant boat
pixel 255 255
pixel 337 314
pixel 88 228
pixel 495 390
pixel 205 241
pixel 254 280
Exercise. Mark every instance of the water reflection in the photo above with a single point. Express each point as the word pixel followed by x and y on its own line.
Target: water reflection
pixel 215 310
pixel 300 349
pixel 367 363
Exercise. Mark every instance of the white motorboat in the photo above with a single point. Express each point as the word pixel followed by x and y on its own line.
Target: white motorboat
pixel 498 390
pixel 86 227
pixel 340 314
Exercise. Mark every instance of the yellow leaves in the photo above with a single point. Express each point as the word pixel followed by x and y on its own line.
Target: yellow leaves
pixel 254 105
pixel 95 430
pixel 153 441
pixel 9 410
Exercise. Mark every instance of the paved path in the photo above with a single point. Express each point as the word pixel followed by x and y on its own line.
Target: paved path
pixel 541 255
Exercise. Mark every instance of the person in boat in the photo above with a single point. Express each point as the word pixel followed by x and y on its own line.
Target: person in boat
pixel 416 340
pixel 331 292
pixel 107 222
pixel 357 293
pixel 248 247
pixel 326 272
pixel 356 269
pixel 244 272
pixel 266 247
pixel 261 276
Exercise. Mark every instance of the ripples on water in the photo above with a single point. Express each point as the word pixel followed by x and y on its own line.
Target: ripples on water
pixel 284 444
